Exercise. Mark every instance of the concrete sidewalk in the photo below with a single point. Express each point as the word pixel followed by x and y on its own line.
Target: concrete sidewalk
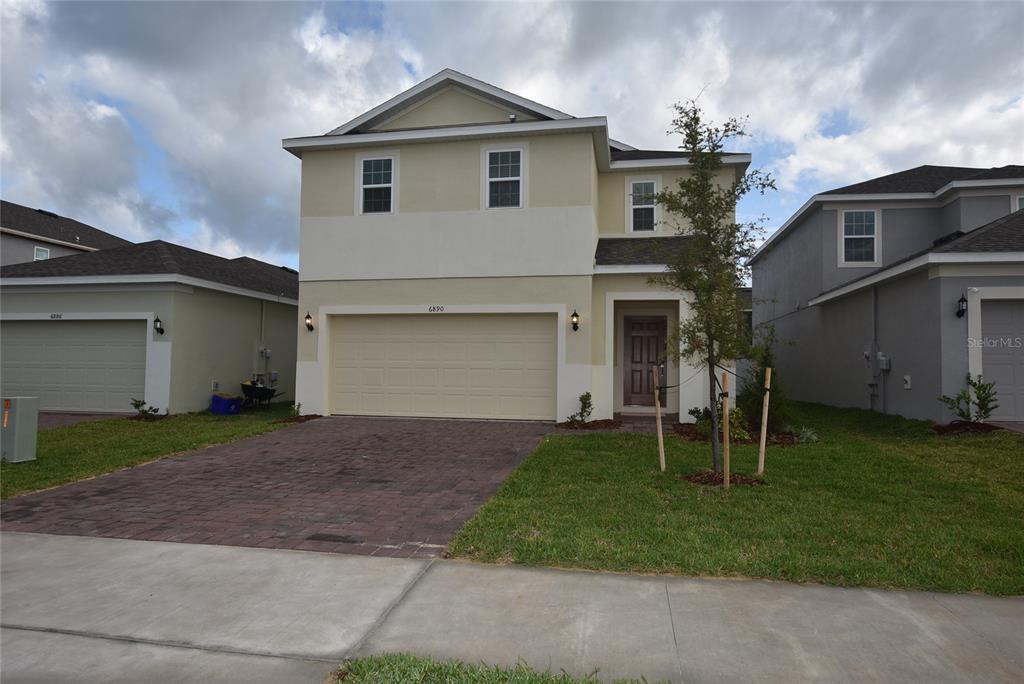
pixel 96 610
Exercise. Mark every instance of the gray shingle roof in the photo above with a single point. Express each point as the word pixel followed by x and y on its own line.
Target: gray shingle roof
pixel 926 179
pixel 633 155
pixel 637 251
pixel 159 257
pixel 49 225
pixel 1005 234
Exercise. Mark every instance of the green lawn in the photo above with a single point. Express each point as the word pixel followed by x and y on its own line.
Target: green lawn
pixel 880 501
pixel 400 668
pixel 74 452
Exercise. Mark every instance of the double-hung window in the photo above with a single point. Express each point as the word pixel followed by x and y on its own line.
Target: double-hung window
pixel 504 179
pixel 641 206
pixel 859 238
pixel 1020 203
pixel 41 254
pixel 376 193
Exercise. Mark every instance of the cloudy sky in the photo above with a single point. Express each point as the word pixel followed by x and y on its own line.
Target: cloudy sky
pixel 164 120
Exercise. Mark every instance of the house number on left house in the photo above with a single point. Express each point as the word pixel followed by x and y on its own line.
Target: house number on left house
pixel 56 316
pixel 436 308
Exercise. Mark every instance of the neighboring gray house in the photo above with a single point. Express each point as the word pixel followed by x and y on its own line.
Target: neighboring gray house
pixel 28 234
pixel 886 293
pixel 153 320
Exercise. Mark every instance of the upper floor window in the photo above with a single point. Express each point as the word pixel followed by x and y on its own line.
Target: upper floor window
pixel 376 194
pixel 41 253
pixel 641 205
pixel 1020 203
pixel 859 240
pixel 504 178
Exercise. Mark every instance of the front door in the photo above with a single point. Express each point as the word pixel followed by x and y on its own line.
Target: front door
pixel 645 349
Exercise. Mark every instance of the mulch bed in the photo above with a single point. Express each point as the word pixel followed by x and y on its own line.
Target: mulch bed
pixel 959 427
pixel 688 431
pixel 298 419
pixel 607 424
pixel 712 479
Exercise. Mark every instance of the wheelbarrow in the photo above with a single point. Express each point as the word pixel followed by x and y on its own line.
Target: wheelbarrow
pixel 258 395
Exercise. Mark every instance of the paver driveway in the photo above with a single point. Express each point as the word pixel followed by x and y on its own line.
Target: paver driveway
pixel 381 486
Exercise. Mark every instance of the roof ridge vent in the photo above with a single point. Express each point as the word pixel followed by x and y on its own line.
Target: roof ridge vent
pixel 44 212
pixel 948 238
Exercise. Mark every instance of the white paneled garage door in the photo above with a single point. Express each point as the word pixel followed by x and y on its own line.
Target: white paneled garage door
pixel 74 365
pixel 1002 356
pixel 444 365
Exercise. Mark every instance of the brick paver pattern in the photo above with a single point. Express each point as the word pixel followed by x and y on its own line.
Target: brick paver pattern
pixel 380 486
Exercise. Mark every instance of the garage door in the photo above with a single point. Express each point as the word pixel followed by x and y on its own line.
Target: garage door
pixel 74 365
pixel 446 365
pixel 1002 356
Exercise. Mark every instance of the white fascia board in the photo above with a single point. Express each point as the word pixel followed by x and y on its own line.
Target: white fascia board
pixel 630 268
pixel 438 79
pixel 52 241
pixel 672 162
pixel 619 145
pixel 327 142
pixel 920 262
pixel 11 283
pixel 882 197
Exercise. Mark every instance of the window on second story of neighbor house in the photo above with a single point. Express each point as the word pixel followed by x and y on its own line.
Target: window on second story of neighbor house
pixel 641 199
pixel 41 253
pixel 1020 203
pixel 504 178
pixel 377 185
pixel 860 238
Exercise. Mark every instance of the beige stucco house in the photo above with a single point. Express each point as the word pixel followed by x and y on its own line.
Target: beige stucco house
pixel 466 252
pixel 153 321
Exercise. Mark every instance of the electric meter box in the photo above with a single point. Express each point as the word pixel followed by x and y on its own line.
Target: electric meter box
pixel 20 425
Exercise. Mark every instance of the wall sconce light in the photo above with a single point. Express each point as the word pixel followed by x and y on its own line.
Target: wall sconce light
pixel 575 318
pixel 309 322
pixel 961 306
pixel 158 325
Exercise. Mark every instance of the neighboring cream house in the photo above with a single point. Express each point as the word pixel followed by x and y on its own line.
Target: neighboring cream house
pixel 450 237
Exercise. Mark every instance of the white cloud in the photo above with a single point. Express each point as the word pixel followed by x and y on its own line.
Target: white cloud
pixel 216 86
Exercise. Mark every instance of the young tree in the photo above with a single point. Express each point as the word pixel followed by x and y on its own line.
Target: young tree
pixel 711 266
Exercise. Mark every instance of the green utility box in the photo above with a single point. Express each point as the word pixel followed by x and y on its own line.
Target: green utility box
pixel 20 424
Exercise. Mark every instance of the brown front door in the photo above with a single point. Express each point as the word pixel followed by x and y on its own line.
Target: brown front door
pixel 645 349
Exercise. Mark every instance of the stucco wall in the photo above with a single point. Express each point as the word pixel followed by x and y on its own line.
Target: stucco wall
pixel 449 107
pixel 15 249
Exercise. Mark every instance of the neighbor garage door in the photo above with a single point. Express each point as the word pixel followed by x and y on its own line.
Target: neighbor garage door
pixel 444 365
pixel 1002 326
pixel 74 365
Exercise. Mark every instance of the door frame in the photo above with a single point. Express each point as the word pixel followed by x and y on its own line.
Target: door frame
pixel 627 320
pixel 157 387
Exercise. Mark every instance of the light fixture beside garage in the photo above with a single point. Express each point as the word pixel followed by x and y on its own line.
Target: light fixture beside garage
pixel 309 322
pixel 961 306
pixel 158 326
pixel 575 318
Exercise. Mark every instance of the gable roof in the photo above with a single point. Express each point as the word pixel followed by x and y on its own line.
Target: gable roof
pixel 165 258
pixel 51 227
pixel 926 179
pixel 1000 241
pixel 920 183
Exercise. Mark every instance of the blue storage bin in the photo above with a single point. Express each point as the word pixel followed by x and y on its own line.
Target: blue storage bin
pixel 222 405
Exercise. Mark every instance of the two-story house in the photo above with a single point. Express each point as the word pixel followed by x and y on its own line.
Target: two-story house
pixel 28 234
pixel 886 293
pixel 467 252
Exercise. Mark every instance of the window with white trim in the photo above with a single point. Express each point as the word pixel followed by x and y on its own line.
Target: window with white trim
pixel 1020 202
pixel 860 238
pixel 504 179
pixel 641 206
pixel 41 254
pixel 376 194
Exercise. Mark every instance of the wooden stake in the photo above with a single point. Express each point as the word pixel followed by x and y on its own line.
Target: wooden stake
pixel 725 429
pixel 657 419
pixel 764 420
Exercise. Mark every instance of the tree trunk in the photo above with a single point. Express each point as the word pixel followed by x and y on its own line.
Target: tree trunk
pixel 716 449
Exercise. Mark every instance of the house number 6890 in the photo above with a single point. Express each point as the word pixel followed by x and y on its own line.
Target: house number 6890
pixel 436 308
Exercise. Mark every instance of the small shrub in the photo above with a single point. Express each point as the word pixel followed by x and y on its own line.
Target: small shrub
pixel 974 403
pixel 803 434
pixel 739 430
pixel 751 394
pixel 142 410
pixel 296 410
pixel 586 408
